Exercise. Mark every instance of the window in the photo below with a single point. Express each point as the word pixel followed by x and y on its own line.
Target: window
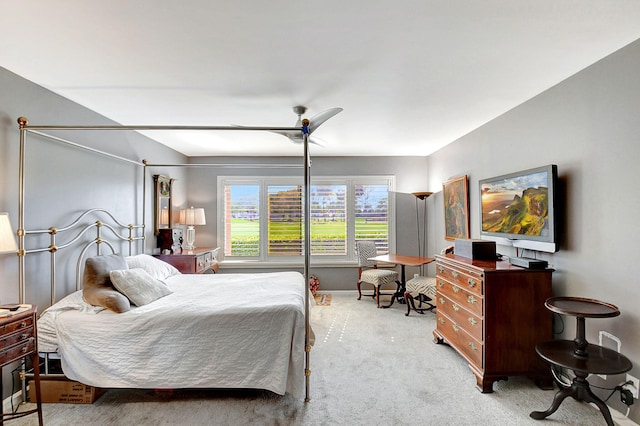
pixel 263 218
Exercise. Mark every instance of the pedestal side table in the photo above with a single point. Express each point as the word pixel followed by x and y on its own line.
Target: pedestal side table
pixel 579 355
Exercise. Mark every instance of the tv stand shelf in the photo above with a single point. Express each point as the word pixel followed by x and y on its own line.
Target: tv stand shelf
pixel 493 314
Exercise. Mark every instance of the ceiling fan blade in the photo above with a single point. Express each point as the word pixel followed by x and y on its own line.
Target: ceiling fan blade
pixel 320 118
pixel 297 139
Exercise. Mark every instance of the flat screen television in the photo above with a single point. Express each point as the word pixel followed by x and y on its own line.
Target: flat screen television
pixel 519 209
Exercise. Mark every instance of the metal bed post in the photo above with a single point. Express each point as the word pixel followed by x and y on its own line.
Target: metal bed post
pixel 307 251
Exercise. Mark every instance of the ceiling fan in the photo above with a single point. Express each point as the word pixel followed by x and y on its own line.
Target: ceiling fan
pixel 295 136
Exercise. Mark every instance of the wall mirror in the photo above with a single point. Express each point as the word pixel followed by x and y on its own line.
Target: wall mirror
pixel 162 204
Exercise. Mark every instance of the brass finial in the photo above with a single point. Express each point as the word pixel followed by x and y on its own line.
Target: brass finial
pixel 22 121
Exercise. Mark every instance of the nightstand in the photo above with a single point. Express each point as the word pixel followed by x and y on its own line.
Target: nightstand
pixel 18 339
pixel 197 261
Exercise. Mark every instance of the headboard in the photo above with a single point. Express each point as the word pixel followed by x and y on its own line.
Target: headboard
pixel 94 228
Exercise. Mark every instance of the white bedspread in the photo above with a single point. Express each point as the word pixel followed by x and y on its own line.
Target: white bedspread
pixel 214 331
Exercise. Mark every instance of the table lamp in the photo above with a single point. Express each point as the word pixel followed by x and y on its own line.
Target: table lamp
pixel 191 217
pixel 7 236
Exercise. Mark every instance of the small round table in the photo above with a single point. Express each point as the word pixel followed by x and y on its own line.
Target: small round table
pixel 579 355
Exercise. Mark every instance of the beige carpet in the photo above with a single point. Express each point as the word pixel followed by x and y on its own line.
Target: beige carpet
pixel 369 366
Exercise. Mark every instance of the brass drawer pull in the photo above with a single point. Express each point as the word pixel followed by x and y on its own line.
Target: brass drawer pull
pixel 473 346
pixel 23 324
pixel 472 282
pixel 472 300
pixel 440 269
pixel 473 321
pixel 440 284
pixel 454 274
pixel 441 301
pixel 455 288
pixel 456 307
pixel 456 328
pixel 24 336
pixel 24 349
pixel 441 320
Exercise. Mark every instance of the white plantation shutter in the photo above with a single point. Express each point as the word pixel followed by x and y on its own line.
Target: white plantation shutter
pixel 242 220
pixel 286 230
pixel 329 220
pixel 372 215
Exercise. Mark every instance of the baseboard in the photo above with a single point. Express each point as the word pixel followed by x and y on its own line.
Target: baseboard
pixel 619 418
pixel 6 403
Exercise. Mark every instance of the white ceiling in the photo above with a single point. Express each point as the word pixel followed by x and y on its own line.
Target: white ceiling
pixel 411 75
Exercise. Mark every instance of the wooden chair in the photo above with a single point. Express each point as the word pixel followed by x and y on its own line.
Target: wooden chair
pixel 369 273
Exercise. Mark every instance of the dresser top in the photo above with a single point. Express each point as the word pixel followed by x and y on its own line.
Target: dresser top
pixel 486 265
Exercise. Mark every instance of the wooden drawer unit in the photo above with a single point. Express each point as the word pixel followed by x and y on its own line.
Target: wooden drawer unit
pixel 470 321
pixel 198 261
pixel 493 314
pixel 18 340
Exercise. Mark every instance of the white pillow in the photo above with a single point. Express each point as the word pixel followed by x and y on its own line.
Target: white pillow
pixel 155 267
pixel 139 287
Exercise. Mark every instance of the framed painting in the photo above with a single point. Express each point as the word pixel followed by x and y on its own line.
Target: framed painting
pixel 456 208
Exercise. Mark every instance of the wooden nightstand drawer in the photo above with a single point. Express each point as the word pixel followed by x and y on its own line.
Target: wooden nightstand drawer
pixel 11 326
pixel 198 261
pixel 7 340
pixel 18 351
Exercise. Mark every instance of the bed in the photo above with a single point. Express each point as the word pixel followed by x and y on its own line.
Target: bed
pixel 208 331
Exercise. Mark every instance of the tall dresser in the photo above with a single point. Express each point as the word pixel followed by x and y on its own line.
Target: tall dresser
pixel 493 314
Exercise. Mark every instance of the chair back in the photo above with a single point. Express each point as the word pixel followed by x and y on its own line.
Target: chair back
pixel 365 250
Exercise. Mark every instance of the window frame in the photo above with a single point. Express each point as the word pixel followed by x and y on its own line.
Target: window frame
pixel 318 260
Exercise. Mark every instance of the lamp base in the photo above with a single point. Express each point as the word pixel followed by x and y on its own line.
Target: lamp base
pixel 190 238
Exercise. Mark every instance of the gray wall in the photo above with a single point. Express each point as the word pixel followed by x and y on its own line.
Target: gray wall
pixel 589 126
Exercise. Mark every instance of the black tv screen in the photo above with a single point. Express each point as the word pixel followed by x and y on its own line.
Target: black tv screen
pixel 520 206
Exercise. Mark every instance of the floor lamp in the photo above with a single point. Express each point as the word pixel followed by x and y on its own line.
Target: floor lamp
pixel 422 242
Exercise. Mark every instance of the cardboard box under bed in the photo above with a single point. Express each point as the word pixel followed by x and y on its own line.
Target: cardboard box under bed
pixel 65 391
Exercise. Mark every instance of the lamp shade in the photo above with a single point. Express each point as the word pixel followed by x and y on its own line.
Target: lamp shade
pixel 7 236
pixel 192 216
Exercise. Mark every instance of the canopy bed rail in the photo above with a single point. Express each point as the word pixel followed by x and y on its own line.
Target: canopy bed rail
pixel 41 130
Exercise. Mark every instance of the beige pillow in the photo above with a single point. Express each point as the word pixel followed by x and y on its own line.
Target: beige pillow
pixel 97 289
pixel 139 287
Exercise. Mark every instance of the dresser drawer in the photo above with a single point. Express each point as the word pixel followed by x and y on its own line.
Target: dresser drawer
pixel 18 351
pixel 460 339
pixel 464 278
pixel 469 300
pixel 471 322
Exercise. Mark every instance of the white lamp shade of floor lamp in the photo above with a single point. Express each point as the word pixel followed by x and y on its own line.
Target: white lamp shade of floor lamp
pixel 7 236
pixel 191 217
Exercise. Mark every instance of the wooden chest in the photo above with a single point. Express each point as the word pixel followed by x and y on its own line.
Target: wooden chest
pixel 493 314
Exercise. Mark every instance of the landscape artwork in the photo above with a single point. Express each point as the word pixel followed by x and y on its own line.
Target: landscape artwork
pixel 456 208
pixel 516 205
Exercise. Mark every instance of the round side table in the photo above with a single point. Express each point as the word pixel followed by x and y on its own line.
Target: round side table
pixel 579 355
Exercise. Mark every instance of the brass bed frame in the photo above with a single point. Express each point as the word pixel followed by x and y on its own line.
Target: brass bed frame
pixel 135 232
